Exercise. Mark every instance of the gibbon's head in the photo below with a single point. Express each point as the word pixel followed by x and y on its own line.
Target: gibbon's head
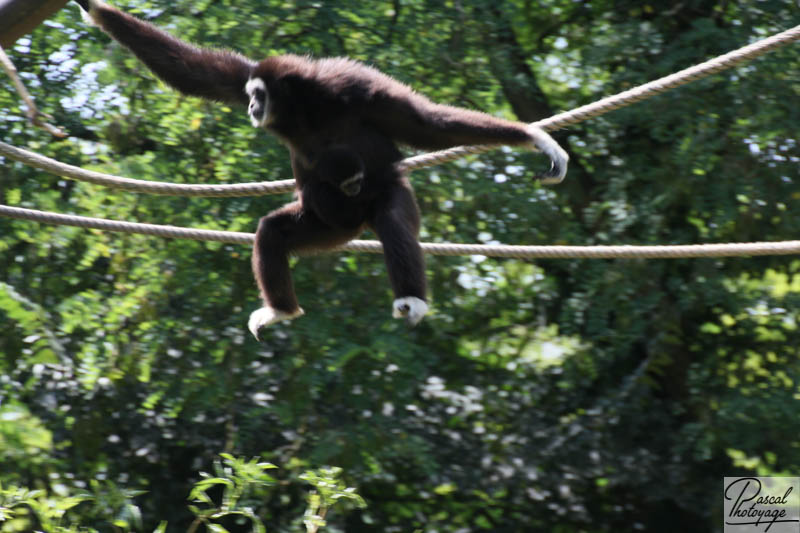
pixel 259 102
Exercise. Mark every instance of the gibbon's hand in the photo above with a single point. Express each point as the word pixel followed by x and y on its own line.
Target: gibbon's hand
pixel 84 4
pixel 543 142
pixel 352 185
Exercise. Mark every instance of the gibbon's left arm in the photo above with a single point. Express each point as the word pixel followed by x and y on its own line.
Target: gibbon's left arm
pixel 214 74
pixel 411 118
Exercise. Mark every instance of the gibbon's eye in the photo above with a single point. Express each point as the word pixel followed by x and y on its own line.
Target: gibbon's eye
pixel 259 95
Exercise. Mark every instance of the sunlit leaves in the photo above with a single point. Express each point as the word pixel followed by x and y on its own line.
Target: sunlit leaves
pixel 533 390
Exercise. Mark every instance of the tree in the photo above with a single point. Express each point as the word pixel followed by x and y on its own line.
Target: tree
pixel 555 395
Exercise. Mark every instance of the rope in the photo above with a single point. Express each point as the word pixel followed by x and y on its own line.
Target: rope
pixel 523 252
pixel 424 160
pixel 622 99
pixel 69 171
pixel 501 250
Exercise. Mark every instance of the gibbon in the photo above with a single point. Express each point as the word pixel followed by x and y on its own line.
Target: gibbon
pixel 342 122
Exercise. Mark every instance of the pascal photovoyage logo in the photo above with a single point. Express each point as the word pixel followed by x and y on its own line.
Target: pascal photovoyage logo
pixel 761 504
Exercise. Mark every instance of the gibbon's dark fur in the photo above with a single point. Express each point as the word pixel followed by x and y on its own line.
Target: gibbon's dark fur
pixel 342 121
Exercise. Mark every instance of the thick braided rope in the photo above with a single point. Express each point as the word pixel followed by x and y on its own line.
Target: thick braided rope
pixel 424 160
pixel 152 187
pixel 519 252
pixel 625 98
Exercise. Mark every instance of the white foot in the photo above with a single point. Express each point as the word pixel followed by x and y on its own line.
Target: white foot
pixel 266 316
pixel 410 307
pixel 87 18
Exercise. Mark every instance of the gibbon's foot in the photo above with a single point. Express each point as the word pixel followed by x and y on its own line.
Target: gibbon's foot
pixel 88 4
pixel 543 142
pixel 352 185
pixel 266 316
pixel 410 307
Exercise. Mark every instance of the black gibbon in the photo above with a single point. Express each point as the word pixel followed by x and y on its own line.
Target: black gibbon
pixel 342 121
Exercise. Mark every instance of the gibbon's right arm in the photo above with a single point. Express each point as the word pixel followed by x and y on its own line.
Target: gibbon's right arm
pixel 214 74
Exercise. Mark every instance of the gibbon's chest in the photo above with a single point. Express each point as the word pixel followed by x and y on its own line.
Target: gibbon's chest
pixel 301 107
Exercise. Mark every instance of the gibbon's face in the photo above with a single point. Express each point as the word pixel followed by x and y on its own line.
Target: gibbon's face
pixel 259 102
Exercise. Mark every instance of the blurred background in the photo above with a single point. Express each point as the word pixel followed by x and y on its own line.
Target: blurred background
pixel 548 395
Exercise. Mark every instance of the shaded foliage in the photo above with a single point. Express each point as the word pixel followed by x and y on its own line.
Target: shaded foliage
pixel 557 395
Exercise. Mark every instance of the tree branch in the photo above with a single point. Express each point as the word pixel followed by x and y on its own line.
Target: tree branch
pixel 34 115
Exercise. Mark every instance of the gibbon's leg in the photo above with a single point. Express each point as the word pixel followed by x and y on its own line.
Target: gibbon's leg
pixel 214 74
pixel 412 119
pixel 286 230
pixel 333 207
pixel 396 221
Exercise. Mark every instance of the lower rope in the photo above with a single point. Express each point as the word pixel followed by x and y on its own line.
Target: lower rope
pixel 519 252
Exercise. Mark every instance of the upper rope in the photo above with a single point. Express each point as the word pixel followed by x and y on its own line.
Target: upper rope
pixel 560 120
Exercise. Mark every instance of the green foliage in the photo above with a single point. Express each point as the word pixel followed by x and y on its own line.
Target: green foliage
pixel 20 508
pixel 242 483
pixel 612 395
pixel 238 478
pixel 328 491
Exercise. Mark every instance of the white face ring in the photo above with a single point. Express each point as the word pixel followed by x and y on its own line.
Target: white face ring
pixel 257 110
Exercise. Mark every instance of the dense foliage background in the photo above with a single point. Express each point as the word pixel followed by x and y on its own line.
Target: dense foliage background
pixel 560 395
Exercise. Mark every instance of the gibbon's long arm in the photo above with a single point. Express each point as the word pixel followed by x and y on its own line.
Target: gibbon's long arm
pixel 412 119
pixel 214 74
